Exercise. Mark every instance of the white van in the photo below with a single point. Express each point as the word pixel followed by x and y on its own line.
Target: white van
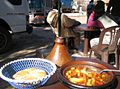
pixel 13 19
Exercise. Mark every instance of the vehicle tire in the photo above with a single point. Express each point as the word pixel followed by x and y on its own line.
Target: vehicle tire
pixel 5 40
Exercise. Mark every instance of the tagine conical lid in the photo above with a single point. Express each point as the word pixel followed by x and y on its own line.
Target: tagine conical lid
pixel 59 54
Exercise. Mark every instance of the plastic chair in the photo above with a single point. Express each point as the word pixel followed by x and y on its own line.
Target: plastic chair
pixel 104 50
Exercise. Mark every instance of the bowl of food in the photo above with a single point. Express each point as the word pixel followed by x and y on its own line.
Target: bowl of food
pixel 27 73
pixel 84 75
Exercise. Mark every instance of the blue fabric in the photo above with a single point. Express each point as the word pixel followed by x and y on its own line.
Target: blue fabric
pixel 66 3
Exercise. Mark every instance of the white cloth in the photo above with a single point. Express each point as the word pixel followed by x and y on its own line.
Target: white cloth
pixel 95 41
pixel 107 21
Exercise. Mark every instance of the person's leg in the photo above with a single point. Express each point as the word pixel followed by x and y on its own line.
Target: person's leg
pixel 77 42
pixel 71 43
pixel 94 34
pixel 66 42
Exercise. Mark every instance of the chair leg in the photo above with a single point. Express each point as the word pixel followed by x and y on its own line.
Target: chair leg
pixel 104 56
pixel 117 61
pixel 90 53
pixel 117 58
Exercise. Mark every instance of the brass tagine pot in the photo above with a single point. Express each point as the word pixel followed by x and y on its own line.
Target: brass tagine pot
pixel 59 54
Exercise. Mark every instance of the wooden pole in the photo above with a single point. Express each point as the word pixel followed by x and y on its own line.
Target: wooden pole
pixel 59 18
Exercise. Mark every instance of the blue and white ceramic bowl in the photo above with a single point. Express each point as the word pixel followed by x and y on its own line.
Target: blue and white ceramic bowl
pixel 9 69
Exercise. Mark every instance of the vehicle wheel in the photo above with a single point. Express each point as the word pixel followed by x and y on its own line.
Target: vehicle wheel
pixel 5 40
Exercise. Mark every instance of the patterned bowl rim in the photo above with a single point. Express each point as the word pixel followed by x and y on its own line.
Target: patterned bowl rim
pixel 26 59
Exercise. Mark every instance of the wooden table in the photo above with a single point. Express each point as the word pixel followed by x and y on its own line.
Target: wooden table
pixel 54 83
pixel 59 85
pixel 86 39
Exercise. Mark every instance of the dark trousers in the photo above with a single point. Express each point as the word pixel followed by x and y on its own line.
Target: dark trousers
pixel 91 34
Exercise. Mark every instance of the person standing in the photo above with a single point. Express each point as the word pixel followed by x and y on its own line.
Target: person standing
pixel 114 9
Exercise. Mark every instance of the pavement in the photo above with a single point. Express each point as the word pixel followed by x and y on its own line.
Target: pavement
pixel 25 45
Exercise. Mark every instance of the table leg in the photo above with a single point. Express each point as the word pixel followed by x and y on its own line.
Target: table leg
pixel 86 42
pixel 85 46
